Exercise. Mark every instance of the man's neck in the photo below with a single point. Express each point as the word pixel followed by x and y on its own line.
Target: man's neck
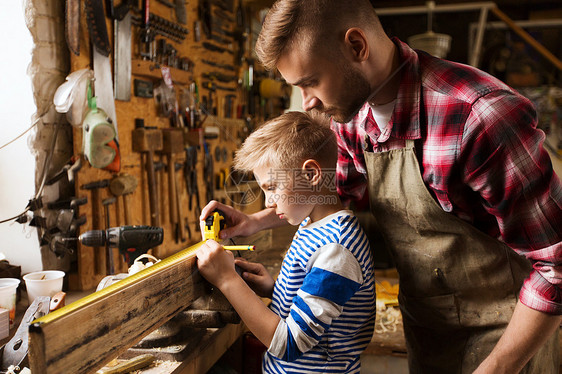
pixel 387 90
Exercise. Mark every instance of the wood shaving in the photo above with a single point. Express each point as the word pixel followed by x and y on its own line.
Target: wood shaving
pixel 387 320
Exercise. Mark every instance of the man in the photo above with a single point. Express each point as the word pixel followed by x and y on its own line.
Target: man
pixel 457 178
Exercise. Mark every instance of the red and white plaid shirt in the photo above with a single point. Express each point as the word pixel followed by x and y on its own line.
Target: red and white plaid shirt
pixel 481 157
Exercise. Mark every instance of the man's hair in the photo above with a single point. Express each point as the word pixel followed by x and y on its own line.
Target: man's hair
pixel 285 142
pixel 316 22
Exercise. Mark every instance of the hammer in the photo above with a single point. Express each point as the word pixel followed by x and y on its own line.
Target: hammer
pixel 109 263
pixel 93 187
pixel 148 141
pixel 124 185
pixel 159 168
pixel 172 144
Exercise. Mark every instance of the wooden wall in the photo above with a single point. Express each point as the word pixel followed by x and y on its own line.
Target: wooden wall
pixel 219 130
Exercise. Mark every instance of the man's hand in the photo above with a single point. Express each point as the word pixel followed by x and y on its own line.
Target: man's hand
pixel 257 277
pixel 527 331
pixel 215 263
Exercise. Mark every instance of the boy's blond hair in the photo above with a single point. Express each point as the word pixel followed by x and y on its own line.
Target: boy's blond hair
pixel 285 142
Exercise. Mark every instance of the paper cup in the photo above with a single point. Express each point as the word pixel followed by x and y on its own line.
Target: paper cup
pixel 43 283
pixel 8 287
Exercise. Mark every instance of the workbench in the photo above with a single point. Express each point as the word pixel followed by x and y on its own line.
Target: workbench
pixel 201 347
pixel 216 341
pixel 385 354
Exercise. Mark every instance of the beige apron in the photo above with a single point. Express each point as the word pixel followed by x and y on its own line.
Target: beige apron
pixel 458 286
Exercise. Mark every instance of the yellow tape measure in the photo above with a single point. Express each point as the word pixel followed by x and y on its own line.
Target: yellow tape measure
pixel 117 286
pixel 213 224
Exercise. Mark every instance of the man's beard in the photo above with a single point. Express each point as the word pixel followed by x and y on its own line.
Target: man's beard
pixel 355 92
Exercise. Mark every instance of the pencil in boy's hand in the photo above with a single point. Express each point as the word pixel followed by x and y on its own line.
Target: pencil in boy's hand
pixel 240 247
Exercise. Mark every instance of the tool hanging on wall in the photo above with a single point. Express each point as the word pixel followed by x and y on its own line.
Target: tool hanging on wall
pixel 148 141
pixel 241 32
pixel 181 12
pixel 160 26
pixel 95 16
pixel 96 222
pixel 72 26
pixel 183 227
pixel 204 14
pixel 99 141
pixel 97 27
pixel 104 92
pixel 179 6
pixel 208 173
pixel 122 17
pixel 215 48
pixel 124 185
pixel 190 174
pixel 109 263
pixel 173 144
pixel 146 36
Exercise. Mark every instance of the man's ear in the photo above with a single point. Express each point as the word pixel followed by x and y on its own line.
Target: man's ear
pixel 312 172
pixel 356 42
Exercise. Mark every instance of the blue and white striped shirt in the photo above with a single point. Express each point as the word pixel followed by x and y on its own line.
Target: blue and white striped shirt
pixel 325 296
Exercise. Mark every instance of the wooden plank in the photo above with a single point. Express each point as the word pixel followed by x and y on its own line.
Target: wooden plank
pixel 85 335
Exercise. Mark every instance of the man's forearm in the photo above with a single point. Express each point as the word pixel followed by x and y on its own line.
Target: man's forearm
pixel 527 331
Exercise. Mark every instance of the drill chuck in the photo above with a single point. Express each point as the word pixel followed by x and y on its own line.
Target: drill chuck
pixel 93 238
pixel 132 241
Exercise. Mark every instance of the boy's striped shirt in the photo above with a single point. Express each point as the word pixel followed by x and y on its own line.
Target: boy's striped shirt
pixel 325 296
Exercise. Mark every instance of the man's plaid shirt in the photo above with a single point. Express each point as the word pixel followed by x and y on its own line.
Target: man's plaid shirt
pixel 481 157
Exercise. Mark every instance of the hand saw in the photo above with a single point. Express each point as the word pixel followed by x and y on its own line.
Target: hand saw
pixel 72 26
pixel 122 18
pixel 96 26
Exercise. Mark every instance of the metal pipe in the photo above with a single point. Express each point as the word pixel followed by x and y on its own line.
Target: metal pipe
pixel 472 28
pixel 438 8
pixel 524 24
pixel 528 38
pixel 475 55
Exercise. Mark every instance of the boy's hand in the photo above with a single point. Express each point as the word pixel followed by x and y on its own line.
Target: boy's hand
pixel 237 223
pixel 215 263
pixel 257 277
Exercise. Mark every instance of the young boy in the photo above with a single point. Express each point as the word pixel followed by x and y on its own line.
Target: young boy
pixel 323 303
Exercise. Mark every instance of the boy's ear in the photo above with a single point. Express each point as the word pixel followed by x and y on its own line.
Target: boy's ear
pixel 312 172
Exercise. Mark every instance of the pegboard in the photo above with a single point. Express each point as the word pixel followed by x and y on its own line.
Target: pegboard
pixel 227 112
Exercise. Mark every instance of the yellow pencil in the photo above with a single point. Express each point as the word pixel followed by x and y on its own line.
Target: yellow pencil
pixel 240 247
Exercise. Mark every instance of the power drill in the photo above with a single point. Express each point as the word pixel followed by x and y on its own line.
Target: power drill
pixel 132 241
